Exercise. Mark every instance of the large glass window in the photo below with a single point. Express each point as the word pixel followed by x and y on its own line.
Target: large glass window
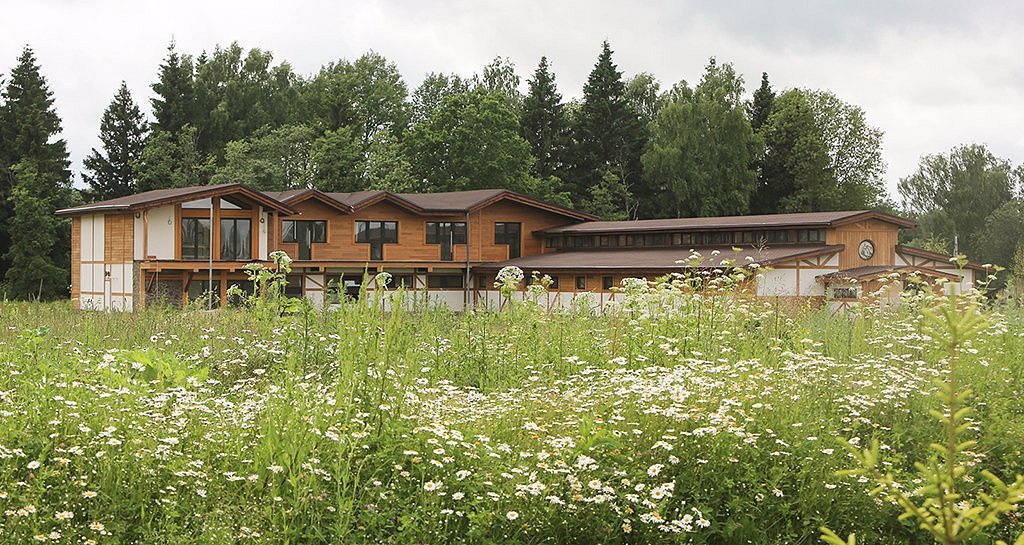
pixel 377 234
pixel 304 233
pixel 509 233
pixel 235 239
pixel 195 238
pixel 446 234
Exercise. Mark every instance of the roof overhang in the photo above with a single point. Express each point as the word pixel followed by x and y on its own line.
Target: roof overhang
pixel 935 256
pixel 198 193
pixel 319 196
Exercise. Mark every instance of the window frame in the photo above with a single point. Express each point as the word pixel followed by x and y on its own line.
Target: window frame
pixel 365 227
pixel 243 251
pixel 195 247
pixel 502 238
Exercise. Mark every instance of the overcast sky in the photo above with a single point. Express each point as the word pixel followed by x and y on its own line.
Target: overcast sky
pixel 930 74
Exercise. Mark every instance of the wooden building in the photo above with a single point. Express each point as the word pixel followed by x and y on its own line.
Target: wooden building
pixel 176 245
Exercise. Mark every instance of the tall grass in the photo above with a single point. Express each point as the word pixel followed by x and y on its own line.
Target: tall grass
pixel 711 420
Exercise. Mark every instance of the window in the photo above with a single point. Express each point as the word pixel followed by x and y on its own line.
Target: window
pixel 777 236
pixel 377 234
pixel 447 234
pixel 608 241
pixel 634 240
pixel 719 237
pixel 553 242
pixel 484 282
pixel 581 283
pixel 509 233
pixel 293 288
pixel 811 235
pixel 658 239
pixel 607 283
pixel 444 281
pixel 290 230
pixel 844 293
pixel 195 238
pixel 235 239
pixel 439 232
pixel 401 281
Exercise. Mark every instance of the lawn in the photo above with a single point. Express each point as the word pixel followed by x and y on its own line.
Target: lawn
pixel 706 420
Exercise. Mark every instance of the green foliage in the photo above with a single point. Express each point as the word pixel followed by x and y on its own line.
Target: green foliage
pixel 965 194
pixel 762 104
pixel 940 506
pixel 471 141
pixel 113 172
pixel 174 106
pixel 434 89
pixel 271 159
pixel 237 93
pixel 608 138
pixel 367 95
pixel 702 149
pixel 499 76
pixel 35 271
pixel 34 182
pixel 543 122
pixel 173 160
pixel 820 155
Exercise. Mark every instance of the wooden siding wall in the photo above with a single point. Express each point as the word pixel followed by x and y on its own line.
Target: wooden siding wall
pixel 76 261
pixel 119 238
pixel 885 237
pixel 412 247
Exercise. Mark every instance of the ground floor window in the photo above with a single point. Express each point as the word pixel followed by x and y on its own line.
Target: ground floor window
pixel 844 292
pixel 444 281
pixel 581 283
pixel 607 282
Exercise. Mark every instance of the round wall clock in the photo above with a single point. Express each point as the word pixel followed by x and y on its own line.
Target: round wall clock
pixel 866 249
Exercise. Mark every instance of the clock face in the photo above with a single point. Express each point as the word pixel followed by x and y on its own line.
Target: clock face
pixel 866 249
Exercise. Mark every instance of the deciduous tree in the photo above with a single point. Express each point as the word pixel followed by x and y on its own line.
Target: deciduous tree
pixel 702 148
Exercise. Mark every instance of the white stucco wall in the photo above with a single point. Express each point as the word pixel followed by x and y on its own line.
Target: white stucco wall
pixel 777 282
pixel 262 232
pixel 161 232
pixel 138 229
pixel 809 284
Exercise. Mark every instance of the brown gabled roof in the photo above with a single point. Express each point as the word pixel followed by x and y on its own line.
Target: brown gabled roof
pixel 160 197
pixel 872 272
pixel 764 221
pixel 663 259
pixel 473 200
pixel 295 196
pixel 918 252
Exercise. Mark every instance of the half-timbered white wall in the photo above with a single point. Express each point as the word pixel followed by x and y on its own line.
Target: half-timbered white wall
pixel 161 232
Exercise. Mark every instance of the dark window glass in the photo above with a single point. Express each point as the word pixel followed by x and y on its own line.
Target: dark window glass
pixel 509 233
pixel 606 283
pixel 657 239
pixel 844 293
pixel 319 231
pixel 444 281
pixel 439 232
pixel 554 283
pixel 294 286
pixel 777 236
pixel 288 231
pixel 811 235
pixel 484 282
pixel 551 242
pixel 235 239
pixel 581 282
pixel 195 238
pixel 719 237
pixel 635 241
pixel 377 234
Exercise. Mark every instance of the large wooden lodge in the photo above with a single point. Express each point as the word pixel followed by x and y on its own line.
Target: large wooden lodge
pixel 174 245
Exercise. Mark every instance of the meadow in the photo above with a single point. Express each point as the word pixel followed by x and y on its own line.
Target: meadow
pixel 708 420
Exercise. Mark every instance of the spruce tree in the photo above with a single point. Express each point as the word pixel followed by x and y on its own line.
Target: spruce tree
pixel 29 125
pixel 761 105
pixel 114 171
pixel 174 106
pixel 542 123
pixel 608 135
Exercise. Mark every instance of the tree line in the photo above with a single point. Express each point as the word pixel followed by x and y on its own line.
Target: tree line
pixel 625 149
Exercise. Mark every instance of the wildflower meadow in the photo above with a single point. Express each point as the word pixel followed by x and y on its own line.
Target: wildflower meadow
pixel 682 416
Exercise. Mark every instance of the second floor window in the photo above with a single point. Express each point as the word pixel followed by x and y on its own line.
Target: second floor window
pixel 509 233
pixel 235 239
pixel 195 238
pixel 377 234
pixel 447 234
